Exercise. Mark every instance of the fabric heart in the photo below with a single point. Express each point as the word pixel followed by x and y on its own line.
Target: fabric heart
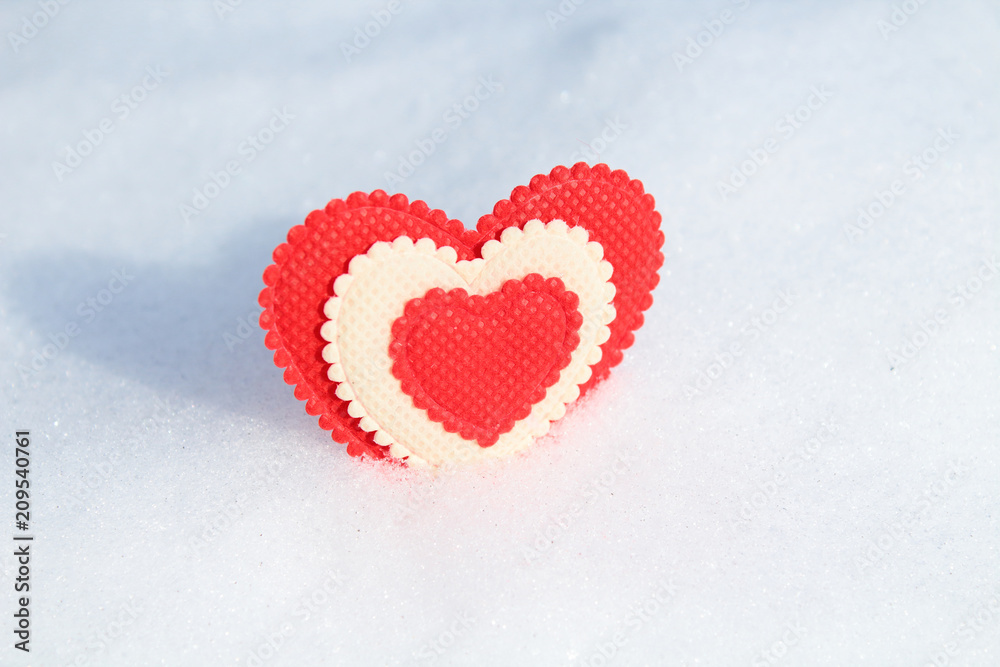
pixel 613 209
pixel 477 364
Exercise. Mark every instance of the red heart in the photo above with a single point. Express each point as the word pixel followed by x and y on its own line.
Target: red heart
pixel 464 360
pixel 613 209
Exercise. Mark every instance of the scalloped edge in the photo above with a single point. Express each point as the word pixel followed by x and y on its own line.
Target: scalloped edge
pixel 403 370
pixel 340 431
pixel 489 223
pixel 468 270
pixel 474 239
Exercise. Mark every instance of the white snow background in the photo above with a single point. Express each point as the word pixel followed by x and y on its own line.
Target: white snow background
pixel 829 496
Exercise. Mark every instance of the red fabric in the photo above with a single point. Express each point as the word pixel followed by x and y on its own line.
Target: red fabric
pixel 614 209
pixel 464 360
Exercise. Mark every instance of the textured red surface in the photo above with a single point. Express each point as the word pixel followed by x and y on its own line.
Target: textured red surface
pixel 477 364
pixel 618 215
pixel 614 209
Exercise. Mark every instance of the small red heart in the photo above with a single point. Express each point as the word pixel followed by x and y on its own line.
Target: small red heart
pixel 477 364
pixel 615 211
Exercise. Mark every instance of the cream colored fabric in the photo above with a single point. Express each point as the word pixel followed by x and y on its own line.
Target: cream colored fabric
pixel 375 290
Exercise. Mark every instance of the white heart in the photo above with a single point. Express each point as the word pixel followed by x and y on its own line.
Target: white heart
pixel 377 286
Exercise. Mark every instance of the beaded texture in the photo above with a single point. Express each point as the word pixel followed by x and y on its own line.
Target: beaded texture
pixel 463 358
pixel 615 211
pixel 374 294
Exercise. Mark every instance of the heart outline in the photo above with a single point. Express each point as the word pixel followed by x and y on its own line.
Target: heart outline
pixel 378 284
pixel 407 369
pixel 292 321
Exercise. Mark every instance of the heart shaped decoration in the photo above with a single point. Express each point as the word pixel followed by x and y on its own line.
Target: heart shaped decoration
pixel 463 358
pixel 408 334
pixel 409 389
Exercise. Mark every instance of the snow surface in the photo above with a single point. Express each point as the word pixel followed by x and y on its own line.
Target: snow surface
pixel 814 503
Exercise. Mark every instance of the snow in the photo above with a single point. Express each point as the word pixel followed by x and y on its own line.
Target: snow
pixel 816 502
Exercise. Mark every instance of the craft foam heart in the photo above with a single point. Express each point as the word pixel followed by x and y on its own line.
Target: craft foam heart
pixel 380 284
pixel 614 210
